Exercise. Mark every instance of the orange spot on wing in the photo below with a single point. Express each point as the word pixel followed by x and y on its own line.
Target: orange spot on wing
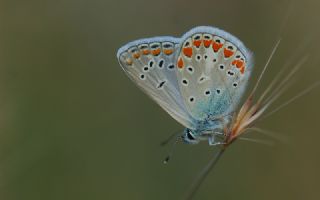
pixel 187 51
pixel 156 52
pixel 227 53
pixel 167 51
pixel 145 51
pixel 180 63
pixel 136 55
pixel 129 61
pixel 216 46
pixel 197 43
pixel 242 69
pixel 238 63
pixel 207 43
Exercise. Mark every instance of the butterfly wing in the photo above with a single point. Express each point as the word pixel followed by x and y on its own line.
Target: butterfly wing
pixel 213 70
pixel 151 64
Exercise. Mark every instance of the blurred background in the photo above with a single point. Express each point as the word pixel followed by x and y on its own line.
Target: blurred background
pixel 73 126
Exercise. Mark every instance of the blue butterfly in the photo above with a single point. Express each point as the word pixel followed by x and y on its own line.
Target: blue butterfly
pixel 198 79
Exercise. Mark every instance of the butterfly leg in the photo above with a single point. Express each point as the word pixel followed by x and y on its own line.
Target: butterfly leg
pixel 170 138
pixel 212 141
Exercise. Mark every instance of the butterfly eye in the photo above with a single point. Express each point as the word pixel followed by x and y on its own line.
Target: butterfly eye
pixel 190 135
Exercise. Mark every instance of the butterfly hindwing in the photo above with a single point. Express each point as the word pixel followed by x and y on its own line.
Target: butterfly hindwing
pixel 213 69
pixel 151 64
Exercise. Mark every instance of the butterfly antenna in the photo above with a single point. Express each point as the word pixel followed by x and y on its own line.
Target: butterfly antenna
pixel 201 177
pixel 166 160
pixel 170 138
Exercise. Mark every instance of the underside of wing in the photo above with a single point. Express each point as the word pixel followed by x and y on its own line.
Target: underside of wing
pixel 213 71
pixel 151 64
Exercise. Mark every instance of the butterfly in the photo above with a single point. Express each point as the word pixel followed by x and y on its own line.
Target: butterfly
pixel 200 80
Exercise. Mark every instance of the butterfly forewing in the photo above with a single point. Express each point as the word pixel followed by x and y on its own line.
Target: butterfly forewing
pixel 151 64
pixel 213 69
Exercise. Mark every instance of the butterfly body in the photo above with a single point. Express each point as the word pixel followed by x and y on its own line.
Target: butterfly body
pixel 206 130
pixel 198 79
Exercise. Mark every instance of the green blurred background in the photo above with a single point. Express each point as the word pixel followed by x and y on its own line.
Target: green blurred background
pixel 73 126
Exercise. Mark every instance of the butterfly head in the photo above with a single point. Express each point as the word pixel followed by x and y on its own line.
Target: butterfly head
pixel 190 137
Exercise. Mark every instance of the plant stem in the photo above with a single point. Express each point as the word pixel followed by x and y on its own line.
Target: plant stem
pixel 201 177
